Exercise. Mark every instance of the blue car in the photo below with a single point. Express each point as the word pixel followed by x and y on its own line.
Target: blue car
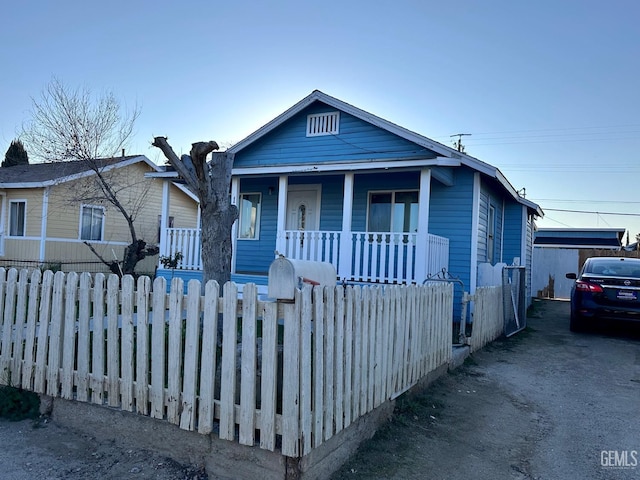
pixel 606 289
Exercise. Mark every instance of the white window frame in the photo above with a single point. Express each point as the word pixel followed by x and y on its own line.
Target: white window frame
pixel 241 218
pixel 491 234
pixel 102 222
pixel 24 218
pixel 393 202
pixel 320 124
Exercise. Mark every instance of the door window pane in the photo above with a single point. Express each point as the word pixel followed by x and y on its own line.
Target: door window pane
pixel 302 216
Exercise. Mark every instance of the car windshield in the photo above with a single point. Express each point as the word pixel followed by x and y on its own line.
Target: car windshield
pixel 614 267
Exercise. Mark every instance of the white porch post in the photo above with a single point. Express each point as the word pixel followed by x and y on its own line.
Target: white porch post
pixel 43 225
pixel 235 200
pixel 283 185
pixel 422 248
pixel 164 219
pixel 3 219
pixel 344 262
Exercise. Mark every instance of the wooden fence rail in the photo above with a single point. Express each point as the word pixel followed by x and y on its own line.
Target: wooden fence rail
pixel 273 375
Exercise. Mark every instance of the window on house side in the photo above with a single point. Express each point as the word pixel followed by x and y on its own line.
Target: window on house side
pixel 491 234
pixel 249 220
pixel 91 223
pixel 393 211
pixel 17 218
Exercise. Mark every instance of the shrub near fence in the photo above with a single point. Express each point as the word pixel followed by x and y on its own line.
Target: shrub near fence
pixel 342 351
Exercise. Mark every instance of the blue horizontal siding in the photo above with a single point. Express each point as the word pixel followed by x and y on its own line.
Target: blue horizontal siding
pixel 356 140
pixel 450 216
pixel 255 256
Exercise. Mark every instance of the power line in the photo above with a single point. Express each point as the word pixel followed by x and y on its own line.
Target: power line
pixel 592 212
pixel 583 201
pixel 619 132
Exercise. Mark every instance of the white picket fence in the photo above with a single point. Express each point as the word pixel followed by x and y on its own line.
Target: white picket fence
pixel 488 316
pixel 341 350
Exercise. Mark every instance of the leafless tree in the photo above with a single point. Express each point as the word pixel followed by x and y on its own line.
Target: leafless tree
pixel 73 125
pixel 211 182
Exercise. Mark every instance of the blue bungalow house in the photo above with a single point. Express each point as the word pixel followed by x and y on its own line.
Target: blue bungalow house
pixel 328 181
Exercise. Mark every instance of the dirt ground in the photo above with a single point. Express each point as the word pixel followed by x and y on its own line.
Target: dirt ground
pixel 541 405
pixel 38 450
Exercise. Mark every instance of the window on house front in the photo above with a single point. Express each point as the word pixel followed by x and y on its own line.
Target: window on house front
pixel 491 234
pixel 393 211
pixel 91 223
pixel 17 218
pixel 249 220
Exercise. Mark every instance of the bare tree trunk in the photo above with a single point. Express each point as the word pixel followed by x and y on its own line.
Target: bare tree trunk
pixel 211 182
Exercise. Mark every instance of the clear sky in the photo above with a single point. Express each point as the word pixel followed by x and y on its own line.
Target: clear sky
pixel 548 89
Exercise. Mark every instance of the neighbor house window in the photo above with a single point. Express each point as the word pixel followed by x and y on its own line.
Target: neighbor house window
pixel 169 225
pixel 91 223
pixel 17 218
pixel 249 216
pixel 393 211
pixel 491 234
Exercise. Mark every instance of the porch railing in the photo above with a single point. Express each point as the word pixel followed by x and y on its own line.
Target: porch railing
pixel 320 246
pixel 187 242
pixel 385 257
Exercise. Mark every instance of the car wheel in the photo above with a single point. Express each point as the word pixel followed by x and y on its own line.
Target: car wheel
pixel 576 324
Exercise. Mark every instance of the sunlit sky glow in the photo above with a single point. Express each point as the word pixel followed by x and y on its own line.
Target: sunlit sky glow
pixel 549 90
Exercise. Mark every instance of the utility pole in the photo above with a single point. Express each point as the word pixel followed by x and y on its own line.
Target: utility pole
pixel 458 144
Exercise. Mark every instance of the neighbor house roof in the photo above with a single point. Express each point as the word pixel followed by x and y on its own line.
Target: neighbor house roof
pixel 38 175
pixel 447 155
pixel 579 237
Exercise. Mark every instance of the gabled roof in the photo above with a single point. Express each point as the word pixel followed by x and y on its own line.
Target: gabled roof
pixel 438 148
pixel 39 175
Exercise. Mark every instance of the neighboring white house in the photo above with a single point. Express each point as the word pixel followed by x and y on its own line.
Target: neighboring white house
pixel 557 252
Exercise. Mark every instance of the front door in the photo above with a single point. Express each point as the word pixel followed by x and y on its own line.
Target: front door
pixel 303 208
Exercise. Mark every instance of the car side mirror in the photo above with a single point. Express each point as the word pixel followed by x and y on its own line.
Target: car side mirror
pixel 571 276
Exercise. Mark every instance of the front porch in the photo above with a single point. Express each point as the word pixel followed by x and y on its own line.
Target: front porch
pixel 371 257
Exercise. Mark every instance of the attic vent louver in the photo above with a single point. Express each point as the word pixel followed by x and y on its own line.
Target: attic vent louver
pixel 323 124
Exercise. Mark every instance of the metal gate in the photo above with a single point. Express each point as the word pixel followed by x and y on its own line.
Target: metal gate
pixel 514 299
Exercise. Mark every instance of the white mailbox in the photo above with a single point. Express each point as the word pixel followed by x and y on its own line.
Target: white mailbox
pixel 286 275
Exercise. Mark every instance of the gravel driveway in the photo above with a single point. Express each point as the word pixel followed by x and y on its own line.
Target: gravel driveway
pixel 545 404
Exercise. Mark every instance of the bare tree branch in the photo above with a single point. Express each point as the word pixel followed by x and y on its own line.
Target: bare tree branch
pixel 71 124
